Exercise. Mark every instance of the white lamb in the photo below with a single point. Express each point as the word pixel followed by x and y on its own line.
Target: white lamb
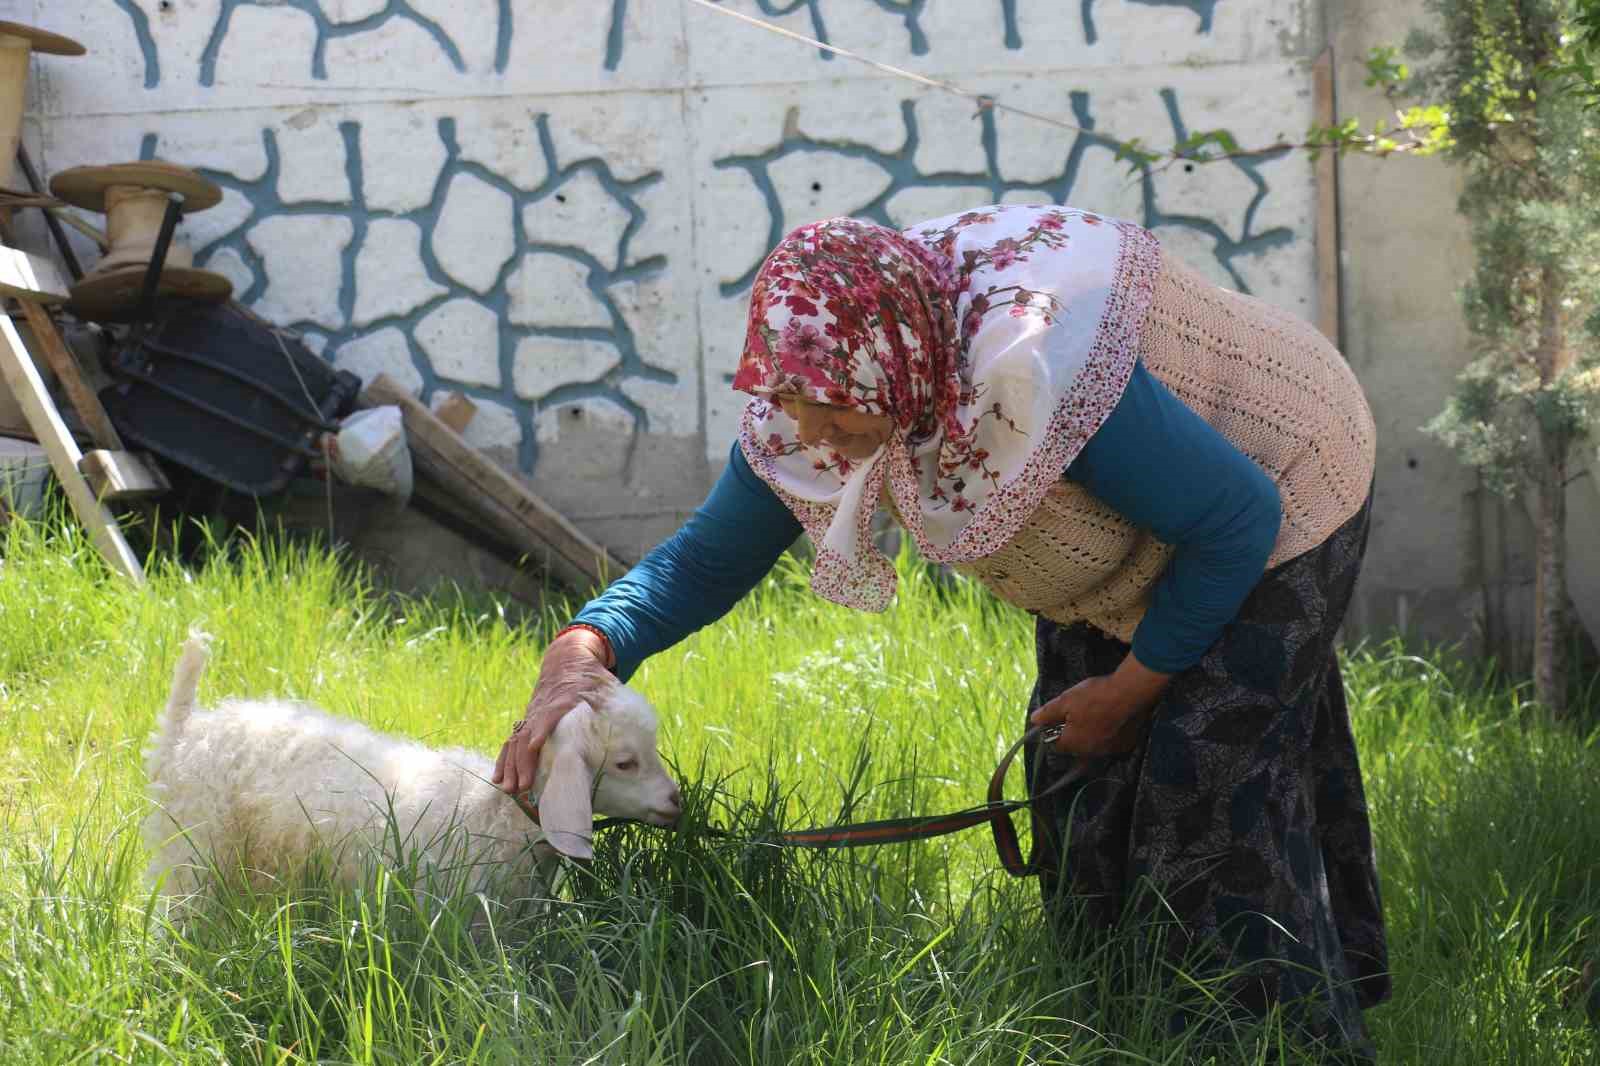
pixel 261 786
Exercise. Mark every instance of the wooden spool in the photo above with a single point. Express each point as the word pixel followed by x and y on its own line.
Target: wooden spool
pixel 17 45
pixel 133 197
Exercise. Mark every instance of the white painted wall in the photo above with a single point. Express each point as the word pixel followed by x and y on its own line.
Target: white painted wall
pixel 556 206
pixel 1443 554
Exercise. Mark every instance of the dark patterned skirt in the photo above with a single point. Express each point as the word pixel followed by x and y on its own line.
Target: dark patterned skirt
pixel 1239 822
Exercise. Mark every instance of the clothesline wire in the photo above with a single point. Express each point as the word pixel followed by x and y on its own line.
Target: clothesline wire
pixel 983 100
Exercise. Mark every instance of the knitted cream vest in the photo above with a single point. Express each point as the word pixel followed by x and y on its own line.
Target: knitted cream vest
pixel 1268 382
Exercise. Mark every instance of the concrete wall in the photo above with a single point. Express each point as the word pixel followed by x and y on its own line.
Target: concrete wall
pixel 1446 558
pixel 1404 254
pixel 557 208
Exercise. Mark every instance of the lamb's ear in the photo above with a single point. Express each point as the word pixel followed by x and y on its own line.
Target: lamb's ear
pixel 566 808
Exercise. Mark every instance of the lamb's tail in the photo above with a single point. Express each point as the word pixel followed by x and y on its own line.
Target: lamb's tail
pixel 180 701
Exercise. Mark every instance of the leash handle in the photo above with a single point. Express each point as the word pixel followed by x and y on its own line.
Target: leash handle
pixel 1005 834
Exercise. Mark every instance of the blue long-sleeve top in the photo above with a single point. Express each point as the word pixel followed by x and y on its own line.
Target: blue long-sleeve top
pixel 1153 461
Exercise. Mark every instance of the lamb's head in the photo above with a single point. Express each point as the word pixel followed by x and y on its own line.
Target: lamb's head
pixel 603 761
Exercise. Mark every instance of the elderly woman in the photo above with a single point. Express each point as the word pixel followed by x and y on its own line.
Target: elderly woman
pixel 1174 479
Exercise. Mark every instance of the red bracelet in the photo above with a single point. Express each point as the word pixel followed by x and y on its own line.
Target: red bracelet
pixel 605 641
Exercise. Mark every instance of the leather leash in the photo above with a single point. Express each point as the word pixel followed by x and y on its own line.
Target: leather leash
pixel 997 811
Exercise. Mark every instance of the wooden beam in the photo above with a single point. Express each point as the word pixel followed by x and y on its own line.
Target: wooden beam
pixel 456 411
pixel 1329 293
pixel 113 473
pixel 30 278
pixel 91 412
pixel 23 378
pixel 14 424
pixel 122 475
pixel 506 505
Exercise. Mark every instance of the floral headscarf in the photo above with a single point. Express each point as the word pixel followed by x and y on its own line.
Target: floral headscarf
pixel 998 341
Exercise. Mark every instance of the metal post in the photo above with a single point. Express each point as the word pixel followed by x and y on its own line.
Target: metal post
pixel 152 274
pixel 68 256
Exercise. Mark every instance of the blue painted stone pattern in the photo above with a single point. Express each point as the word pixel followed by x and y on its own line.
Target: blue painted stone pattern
pixel 261 193
pixel 264 202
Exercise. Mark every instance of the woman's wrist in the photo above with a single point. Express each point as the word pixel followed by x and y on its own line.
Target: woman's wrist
pixel 1137 685
pixel 592 639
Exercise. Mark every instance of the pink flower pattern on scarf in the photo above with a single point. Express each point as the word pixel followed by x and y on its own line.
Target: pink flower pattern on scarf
pixel 997 340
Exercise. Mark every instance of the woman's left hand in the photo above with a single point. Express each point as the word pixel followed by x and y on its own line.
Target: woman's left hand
pixel 1102 715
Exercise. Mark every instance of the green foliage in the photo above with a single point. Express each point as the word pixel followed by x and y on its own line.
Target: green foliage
pixel 1496 71
pixel 1384 68
pixel 1193 147
pixel 1482 426
pixel 692 947
pixel 1137 156
pixel 1421 130
pixel 1581 70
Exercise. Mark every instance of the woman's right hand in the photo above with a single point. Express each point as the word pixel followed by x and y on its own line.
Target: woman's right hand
pixel 575 670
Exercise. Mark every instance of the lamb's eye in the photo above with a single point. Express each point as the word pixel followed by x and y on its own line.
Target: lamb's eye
pixel 627 764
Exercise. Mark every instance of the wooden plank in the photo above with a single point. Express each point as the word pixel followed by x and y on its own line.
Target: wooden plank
pixel 493 497
pixel 30 278
pixel 14 424
pixel 91 412
pixel 23 378
pixel 508 505
pixel 442 483
pixel 456 411
pixel 122 475
pixel 433 499
pixel 1329 292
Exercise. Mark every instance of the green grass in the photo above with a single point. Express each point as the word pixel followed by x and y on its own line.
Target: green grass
pixel 695 948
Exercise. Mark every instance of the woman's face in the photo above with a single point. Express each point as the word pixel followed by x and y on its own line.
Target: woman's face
pixel 853 434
